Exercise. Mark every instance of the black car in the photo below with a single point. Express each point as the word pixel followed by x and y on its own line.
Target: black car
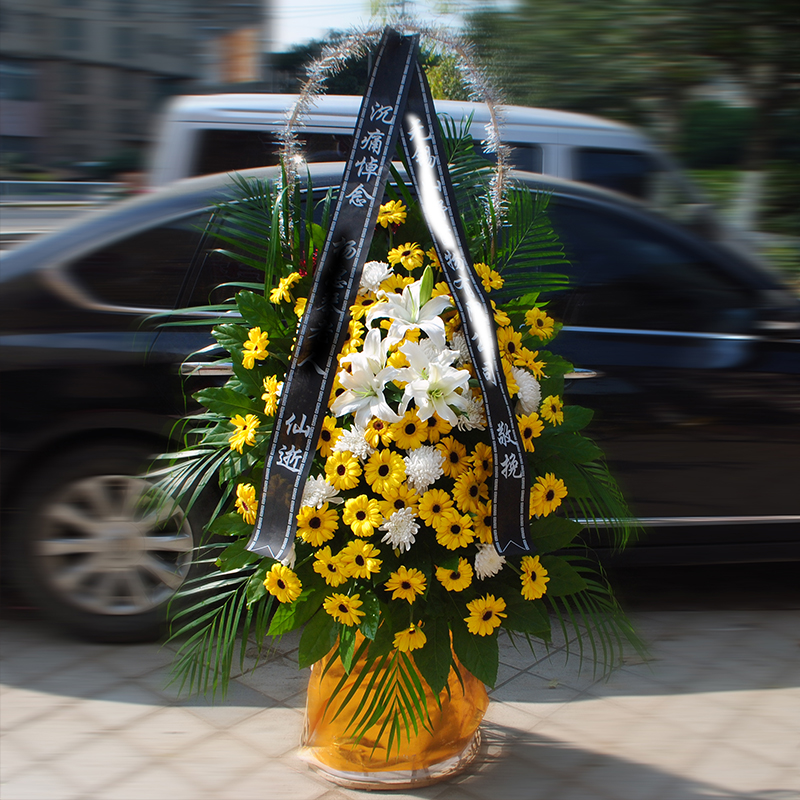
pixel 689 354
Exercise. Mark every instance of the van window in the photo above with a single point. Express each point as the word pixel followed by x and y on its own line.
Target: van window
pixel 230 150
pixel 524 156
pixel 625 171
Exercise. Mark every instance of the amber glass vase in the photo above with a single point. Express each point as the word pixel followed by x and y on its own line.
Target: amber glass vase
pixel 448 745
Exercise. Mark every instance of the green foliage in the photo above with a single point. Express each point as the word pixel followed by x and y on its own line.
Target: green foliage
pixel 714 134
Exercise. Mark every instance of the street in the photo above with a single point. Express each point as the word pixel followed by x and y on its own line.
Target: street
pixel 713 712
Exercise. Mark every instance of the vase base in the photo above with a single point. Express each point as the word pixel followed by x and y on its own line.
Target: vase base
pixel 396 779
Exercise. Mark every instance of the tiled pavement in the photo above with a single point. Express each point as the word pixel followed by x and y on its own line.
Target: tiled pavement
pixel 714 714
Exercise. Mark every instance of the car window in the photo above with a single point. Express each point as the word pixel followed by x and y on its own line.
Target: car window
pixel 626 171
pixel 631 275
pixel 146 270
pixel 231 150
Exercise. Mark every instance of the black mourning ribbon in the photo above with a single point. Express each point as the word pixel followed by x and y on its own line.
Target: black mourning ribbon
pixel 397 103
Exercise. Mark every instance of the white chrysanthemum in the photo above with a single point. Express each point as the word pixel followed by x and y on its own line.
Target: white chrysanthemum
pixel 459 344
pixel 474 418
pixel 530 393
pixel 423 467
pixel 318 491
pixel 353 440
pixel 488 561
pixel 374 274
pixel 401 529
pixel 290 558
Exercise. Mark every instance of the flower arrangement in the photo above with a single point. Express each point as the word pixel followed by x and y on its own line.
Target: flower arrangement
pixel 393 558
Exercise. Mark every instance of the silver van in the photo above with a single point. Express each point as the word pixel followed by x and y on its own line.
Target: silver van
pixel 207 134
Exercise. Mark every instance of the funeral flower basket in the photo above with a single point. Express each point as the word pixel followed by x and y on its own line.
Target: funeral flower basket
pixel 400 475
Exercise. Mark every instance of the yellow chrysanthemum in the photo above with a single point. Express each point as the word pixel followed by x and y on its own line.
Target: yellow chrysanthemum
pixel 534 578
pixel 489 277
pixel 482 523
pixel 454 530
pixel 406 584
pixel 362 514
pixel 530 428
pixel 527 358
pixel 468 492
pixel 433 257
pixel 363 303
pixel 344 608
pixel 395 284
pixel 330 567
pixel 245 433
pixel 272 394
pixel 360 558
pixel 410 255
pixel 385 470
pixel 482 460
pixel 510 343
pixel 328 436
pixel 433 504
pixel 255 348
pixel 546 495
pixel 436 427
pixel 409 639
pixel 282 293
pixel 485 614
pixel 342 470
pixel 540 323
pixel 440 289
pixel 455 456
pixel 283 584
pixel 378 432
pixel 511 381
pixel 246 502
pixel 397 499
pixel 392 213
pixel 336 390
pixel 317 525
pixel 456 580
pixel 552 409
pixel 500 317
pixel 397 360
pixel 410 432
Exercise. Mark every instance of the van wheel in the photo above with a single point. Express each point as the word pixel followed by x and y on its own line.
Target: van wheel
pixel 99 548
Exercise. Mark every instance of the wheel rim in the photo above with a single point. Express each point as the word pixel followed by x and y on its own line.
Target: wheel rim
pixel 107 546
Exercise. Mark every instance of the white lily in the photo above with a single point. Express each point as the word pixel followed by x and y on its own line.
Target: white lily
pixel 432 383
pixel 364 383
pixel 407 312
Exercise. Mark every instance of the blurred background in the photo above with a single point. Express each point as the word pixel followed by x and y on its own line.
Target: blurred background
pixel 82 82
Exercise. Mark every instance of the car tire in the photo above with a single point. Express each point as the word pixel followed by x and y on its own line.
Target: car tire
pixel 90 550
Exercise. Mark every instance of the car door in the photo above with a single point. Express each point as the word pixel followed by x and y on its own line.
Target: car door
pixel 697 409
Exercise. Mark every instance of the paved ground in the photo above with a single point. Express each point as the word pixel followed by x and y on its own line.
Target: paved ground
pixel 714 714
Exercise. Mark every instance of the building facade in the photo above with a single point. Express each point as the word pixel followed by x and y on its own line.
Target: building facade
pixel 82 80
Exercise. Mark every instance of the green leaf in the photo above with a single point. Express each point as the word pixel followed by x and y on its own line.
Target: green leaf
pixel 289 616
pixel 230 524
pixel 230 336
pixel 234 556
pixel 372 611
pixel 552 533
pixel 527 616
pixel 576 418
pixel 434 658
pixel 318 639
pixel 426 286
pixel 564 578
pixel 255 586
pixel 347 645
pixel 256 310
pixel 227 401
pixel 479 654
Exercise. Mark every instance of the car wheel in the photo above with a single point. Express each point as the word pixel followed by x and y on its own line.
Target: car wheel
pixel 93 547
